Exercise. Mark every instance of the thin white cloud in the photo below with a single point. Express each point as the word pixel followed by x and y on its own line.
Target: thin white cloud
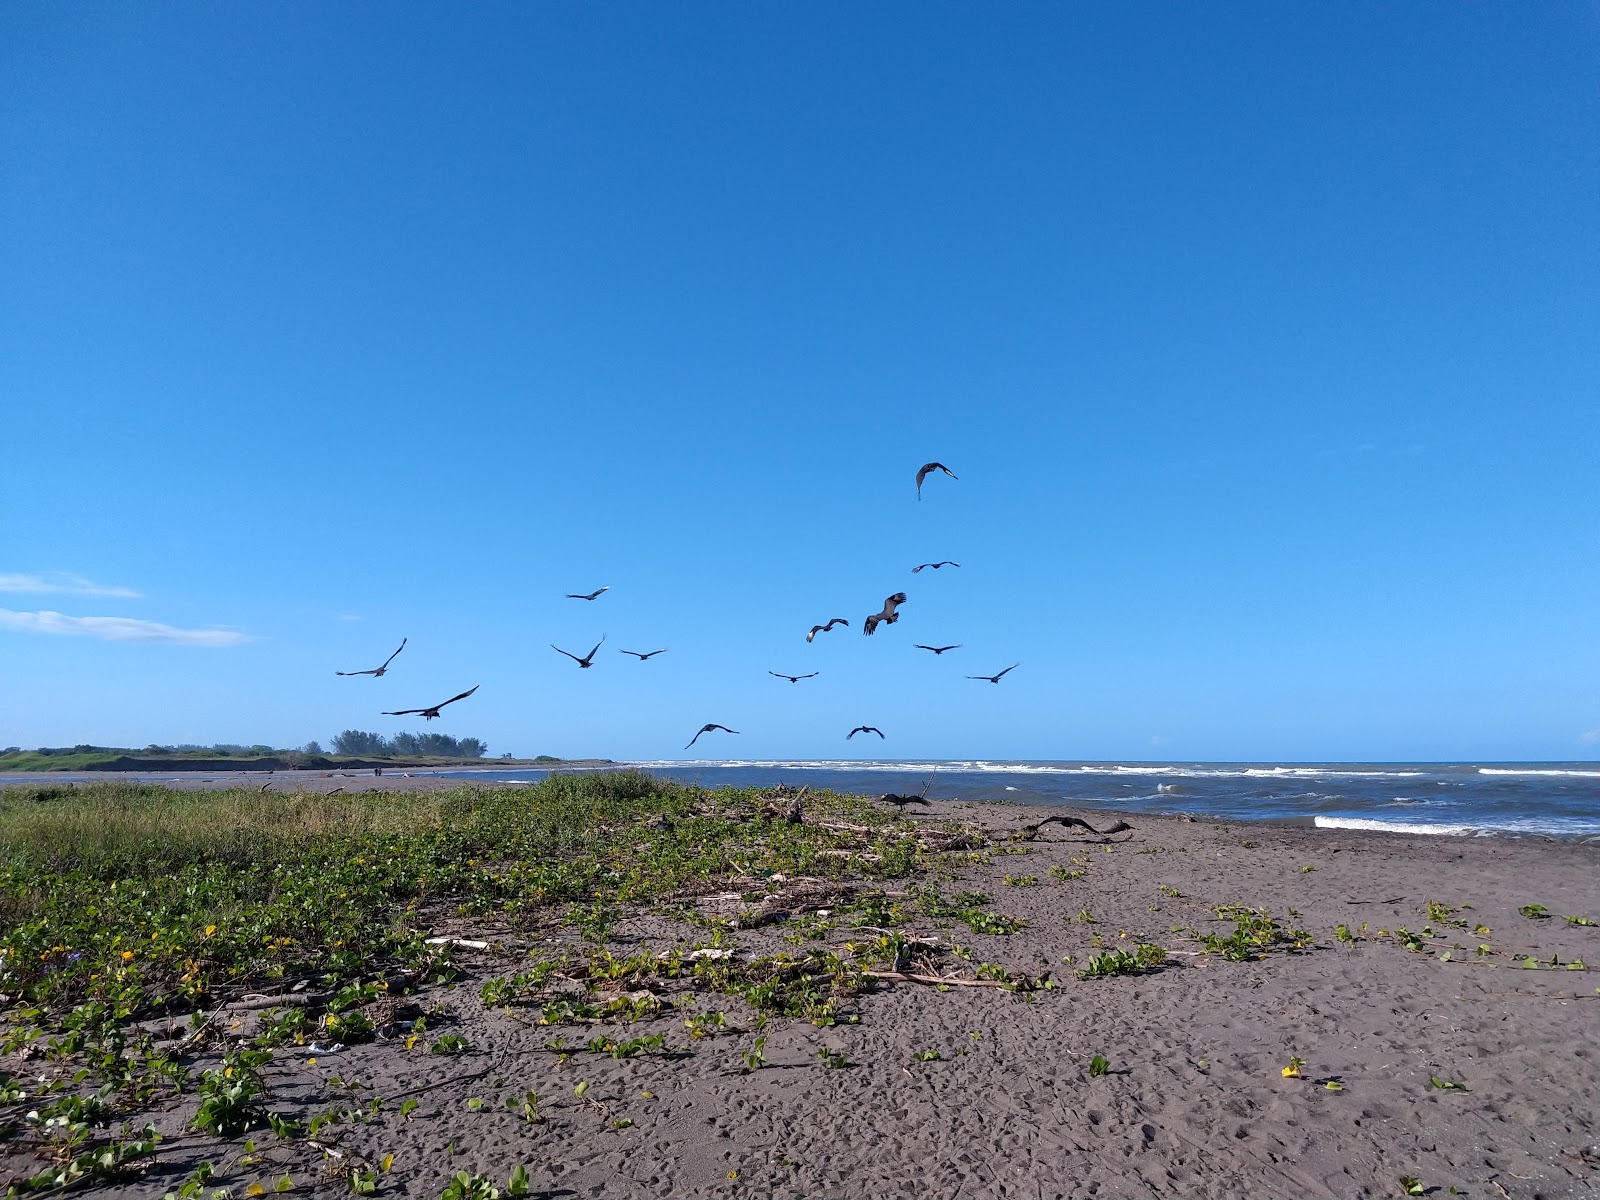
pixel 118 629
pixel 62 583
pixel 350 617
pixel 1590 735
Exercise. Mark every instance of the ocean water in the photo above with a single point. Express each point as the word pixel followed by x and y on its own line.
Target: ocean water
pixel 1552 799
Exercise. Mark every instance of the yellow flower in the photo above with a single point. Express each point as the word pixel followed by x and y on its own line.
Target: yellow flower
pixel 127 956
pixel 210 929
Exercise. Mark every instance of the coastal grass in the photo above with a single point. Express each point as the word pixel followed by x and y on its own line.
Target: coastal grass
pixel 148 898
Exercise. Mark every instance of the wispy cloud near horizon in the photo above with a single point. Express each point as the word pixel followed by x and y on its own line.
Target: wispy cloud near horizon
pixel 118 629
pixel 1590 735
pixel 62 583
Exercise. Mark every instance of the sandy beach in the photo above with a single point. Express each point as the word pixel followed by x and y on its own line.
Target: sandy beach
pixel 985 1088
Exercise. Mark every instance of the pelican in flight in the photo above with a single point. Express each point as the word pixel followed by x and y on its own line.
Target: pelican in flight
pixel 591 596
pixel 923 474
pixel 936 649
pixel 1032 831
pixel 863 729
pixel 707 729
pixel 935 566
pixel 816 629
pixel 431 713
pixel 640 657
pixel 996 678
pixel 587 660
pixel 888 614
pixel 793 678
pixel 375 672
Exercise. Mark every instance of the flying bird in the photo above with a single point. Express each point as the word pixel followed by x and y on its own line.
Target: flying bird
pixel 888 614
pixel 794 678
pixel 863 729
pixel 708 729
pixel 936 649
pixel 587 660
pixel 1032 831
pixel 640 657
pixel 431 713
pixel 816 629
pixel 996 678
pixel 378 670
pixel 935 566
pixel 923 474
pixel 900 802
pixel 592 595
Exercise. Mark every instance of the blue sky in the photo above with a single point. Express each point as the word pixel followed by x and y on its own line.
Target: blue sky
pixel 1263 340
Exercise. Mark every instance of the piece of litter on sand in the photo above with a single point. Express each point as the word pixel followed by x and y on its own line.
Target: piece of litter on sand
pixel 703 952
pixel 469 943
pixel 319 1048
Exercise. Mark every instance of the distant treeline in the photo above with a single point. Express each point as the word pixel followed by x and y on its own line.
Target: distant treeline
pixel 356 744
pixel 352 743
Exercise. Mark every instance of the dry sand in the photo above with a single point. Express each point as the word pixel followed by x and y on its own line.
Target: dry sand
pixel 1194 1104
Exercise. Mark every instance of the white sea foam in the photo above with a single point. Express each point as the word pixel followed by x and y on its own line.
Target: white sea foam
pixel 1564 772
pixel 1323 822
pixel 990 767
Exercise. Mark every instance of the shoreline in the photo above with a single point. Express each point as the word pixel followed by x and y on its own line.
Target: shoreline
pixel 414 778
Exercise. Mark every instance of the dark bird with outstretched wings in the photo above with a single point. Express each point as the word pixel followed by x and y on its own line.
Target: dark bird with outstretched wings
pixel 996 678
pixel 816 629
pixel 936 649
pixel 1030 832
pixel 376 671
pixel 793 678
pixel 591 596
pixel 707 729
pixel 431 713
pixel 863 729
pixel 643 657
pixel 935 566
pixel 587 660
pixel 887 615
pixel 923 474
pixel 900 802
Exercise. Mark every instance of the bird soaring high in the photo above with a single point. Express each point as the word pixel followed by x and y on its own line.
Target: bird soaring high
pixel 996 678
pixel 376 671
pixel 431 713
pixel 888 614
pixel 587 660
pixel 936 649
pixel 923 474
pixel 707 728
pixel 816 629
pixel 794 678
pixel 592 595
pixel 935 566
pixel 863 729
pixel 643 657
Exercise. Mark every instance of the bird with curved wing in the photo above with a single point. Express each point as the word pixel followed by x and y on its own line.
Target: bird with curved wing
pixel 431 713
pixel 996 678
pixel 888 614
pixel 591 596
pixel 816 629
pixel 863 729
pixel 935 566
pixel 707 728
pixel 376 671
pixel 923 474
pixel 642 657
pixel 793 678
pixel 936 649
pixel 587 660
pixel 900 801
